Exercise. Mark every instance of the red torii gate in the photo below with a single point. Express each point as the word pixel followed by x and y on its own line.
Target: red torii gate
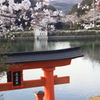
pixel 47 61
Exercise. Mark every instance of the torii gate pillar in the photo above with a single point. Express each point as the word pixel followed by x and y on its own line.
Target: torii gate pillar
pixel 49 83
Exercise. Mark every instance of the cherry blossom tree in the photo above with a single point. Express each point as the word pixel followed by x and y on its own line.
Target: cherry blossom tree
pixel 22 15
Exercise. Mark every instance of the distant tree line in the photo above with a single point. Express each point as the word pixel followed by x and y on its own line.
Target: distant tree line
pixel 68 26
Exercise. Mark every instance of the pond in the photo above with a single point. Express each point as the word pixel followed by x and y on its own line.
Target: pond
pixel 84 72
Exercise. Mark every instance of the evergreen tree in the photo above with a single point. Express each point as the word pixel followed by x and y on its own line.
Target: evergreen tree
pixel 17 1
pixel 81 11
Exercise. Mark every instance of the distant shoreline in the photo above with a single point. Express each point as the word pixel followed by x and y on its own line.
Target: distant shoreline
pixel 54 38
pixel 58 35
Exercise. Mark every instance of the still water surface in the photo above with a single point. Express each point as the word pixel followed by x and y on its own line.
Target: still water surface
pixel 84 72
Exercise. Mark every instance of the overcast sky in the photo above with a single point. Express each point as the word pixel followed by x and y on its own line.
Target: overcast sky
pixel 69 1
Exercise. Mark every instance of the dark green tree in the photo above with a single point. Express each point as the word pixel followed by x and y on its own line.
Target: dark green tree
pixel 17 1
pixel 81 11
pixel 88 2
pixel 74 9
pixel 51 7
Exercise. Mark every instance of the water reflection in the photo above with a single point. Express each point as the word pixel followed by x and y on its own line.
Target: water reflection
pixel 40 45
pixel 84 72
pixel 91 48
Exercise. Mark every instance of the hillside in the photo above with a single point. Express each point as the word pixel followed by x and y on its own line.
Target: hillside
pixel 81 9
pixel 86 12
pixel 65 7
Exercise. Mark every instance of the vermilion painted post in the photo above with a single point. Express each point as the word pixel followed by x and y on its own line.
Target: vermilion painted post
pixel 39 95
pixel 49 83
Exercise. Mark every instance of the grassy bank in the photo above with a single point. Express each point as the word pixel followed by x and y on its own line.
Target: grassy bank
pixel 73 32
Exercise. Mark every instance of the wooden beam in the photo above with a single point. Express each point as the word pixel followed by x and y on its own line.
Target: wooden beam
pixel 26 84
pixel 35 65
pixel 33 83
pixel 62 80
pixel 6 86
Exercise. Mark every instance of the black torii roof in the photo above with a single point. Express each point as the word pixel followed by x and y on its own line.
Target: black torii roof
pixel 41 56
